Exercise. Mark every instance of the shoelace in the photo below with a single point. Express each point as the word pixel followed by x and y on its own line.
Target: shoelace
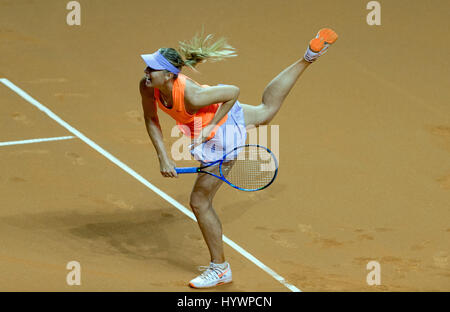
pixel 209 272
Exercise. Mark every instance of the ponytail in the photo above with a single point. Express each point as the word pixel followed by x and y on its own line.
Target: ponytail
pixel 199 50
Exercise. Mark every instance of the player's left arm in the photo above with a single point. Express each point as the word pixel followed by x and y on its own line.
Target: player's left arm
pixel 226 94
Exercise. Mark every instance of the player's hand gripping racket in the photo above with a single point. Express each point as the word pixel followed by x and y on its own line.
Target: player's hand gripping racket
pixel 247 168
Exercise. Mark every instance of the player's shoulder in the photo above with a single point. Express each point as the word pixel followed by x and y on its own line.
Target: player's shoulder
pixel 193 89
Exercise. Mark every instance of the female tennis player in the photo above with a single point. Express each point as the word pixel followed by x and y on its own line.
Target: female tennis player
pixel 206 114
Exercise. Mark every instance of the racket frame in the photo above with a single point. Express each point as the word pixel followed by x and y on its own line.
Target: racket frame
pixel 220 162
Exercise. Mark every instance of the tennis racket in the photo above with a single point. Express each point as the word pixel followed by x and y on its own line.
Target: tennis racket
pixel 246 168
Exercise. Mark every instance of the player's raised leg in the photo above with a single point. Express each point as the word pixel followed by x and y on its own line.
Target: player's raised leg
pixel 277 90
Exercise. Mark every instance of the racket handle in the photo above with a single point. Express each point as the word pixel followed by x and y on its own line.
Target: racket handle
pixel 187 170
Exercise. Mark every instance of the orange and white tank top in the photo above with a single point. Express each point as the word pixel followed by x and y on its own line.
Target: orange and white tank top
pixel 188 124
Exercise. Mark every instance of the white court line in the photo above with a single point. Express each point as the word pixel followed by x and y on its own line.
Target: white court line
pixel 36 140
pixel 133 173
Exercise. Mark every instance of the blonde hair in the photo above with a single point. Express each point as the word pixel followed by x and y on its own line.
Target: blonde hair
pixel 198 50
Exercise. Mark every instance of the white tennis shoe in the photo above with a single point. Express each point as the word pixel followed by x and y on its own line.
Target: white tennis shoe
pixel 319 45
pixel 213 275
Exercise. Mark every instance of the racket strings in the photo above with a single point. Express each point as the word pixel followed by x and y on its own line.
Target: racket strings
pixel 253 168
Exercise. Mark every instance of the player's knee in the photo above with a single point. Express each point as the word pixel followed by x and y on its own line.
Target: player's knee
pixel 266 113
pixel 199 202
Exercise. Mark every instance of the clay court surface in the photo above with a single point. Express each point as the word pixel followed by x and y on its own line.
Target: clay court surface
pixel 364 148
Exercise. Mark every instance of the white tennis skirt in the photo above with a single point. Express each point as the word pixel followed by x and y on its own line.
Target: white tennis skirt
pixel 230 135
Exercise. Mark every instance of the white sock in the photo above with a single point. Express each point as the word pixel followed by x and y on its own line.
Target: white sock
pixel 310 56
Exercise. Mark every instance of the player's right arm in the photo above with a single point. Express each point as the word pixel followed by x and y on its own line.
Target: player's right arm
pixel 167 166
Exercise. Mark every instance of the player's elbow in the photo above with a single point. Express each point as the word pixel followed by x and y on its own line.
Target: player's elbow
pixel 235 91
